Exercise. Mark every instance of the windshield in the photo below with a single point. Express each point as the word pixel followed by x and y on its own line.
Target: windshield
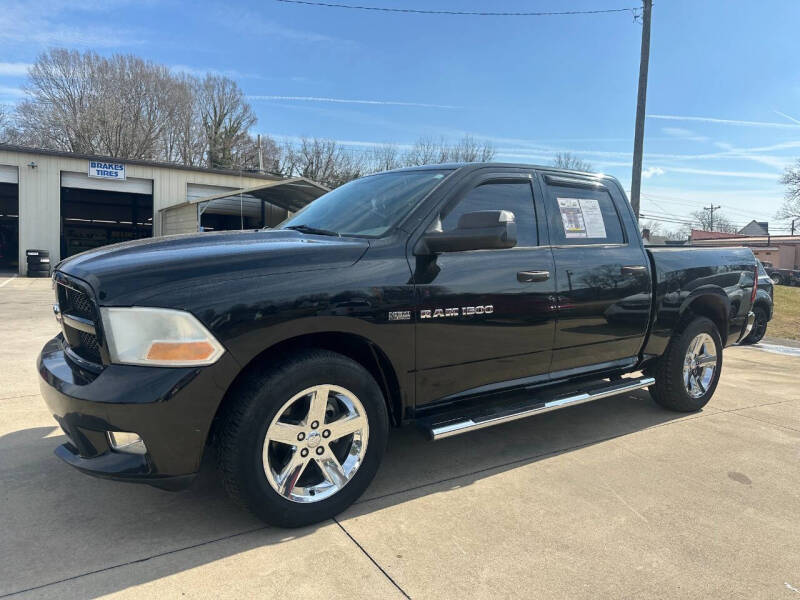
pixel 369 206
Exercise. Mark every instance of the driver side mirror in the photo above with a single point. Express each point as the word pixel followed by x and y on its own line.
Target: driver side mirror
pixel 480 230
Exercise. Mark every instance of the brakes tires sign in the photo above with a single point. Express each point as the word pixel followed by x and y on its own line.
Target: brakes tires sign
pixel 106 170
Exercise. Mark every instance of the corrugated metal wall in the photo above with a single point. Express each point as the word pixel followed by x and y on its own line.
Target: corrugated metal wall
pixel 40 194
pixel 181 219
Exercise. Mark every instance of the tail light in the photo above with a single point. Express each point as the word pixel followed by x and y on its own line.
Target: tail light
pixel 755 286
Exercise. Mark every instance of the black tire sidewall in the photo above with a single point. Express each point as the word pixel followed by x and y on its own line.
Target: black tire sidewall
pixel 684 401
pixel 273 391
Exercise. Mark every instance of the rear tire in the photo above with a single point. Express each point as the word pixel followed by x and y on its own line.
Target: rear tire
pixel 688 372
pixel 287 462
pixel 759 326
pixel 777 279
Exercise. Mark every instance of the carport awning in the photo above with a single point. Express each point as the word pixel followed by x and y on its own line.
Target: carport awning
pixel 289 194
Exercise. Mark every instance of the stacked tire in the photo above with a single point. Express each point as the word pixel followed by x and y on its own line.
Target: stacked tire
pixel 38 263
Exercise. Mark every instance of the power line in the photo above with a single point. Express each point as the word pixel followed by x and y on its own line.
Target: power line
pixel 742 213
pixel 632 10
pixel 711 208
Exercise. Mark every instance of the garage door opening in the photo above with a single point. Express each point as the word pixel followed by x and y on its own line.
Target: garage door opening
pixel 92 217
pixel 9 219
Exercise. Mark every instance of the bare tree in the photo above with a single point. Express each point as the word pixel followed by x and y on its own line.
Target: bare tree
pixel 226 118
pixel 117 106
pixel 272 154
pixel 5 125
pixel 424 152
pixel 126 107
pixel 791 203
pixel 702 218
pixel 184 139
pixel 468 149
pixel 385 158
pixel 322 160
pixel 427 151
pixel 565 160
pixel 654 227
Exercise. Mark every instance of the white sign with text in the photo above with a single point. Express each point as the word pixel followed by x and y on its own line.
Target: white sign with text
pixel 106 170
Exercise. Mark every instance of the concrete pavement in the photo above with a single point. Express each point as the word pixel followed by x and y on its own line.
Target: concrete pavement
pixel 612 499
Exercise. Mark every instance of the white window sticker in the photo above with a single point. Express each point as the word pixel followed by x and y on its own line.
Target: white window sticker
pixel 582 218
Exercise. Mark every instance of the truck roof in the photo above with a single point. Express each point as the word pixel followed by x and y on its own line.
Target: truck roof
pixel 479 165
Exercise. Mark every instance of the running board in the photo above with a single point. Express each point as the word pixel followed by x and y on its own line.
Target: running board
pixel 462 424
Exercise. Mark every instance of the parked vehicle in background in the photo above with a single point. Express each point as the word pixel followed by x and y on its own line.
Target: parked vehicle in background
pixel 782 276
pixel 452 297
pixel 762 307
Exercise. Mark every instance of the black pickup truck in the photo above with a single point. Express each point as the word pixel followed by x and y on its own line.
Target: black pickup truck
pixel 453 297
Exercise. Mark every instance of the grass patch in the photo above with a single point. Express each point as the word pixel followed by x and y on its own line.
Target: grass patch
pixel 786 320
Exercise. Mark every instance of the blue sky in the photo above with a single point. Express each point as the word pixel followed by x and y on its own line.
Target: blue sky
pixel 723 98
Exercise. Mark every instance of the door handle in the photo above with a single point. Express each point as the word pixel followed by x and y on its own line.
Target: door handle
pixel 633 269
pixel 531 276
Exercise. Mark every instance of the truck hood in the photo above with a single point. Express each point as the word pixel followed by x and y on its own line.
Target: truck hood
pixel 123 274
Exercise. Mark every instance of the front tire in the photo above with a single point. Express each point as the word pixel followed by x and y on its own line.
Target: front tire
pixel 300 442
pixel 688 372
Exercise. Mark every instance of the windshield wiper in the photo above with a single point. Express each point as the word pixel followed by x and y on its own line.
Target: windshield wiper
pixel 316 230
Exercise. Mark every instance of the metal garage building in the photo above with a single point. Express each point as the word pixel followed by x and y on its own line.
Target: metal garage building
pixel 67 203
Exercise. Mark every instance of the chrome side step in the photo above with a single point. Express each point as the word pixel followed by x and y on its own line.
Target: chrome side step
pixel 459 425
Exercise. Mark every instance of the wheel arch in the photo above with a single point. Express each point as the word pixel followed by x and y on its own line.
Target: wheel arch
pixel 356 347
pixel 712 304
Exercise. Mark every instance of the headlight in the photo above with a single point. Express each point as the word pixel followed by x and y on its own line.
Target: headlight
pixel 158 337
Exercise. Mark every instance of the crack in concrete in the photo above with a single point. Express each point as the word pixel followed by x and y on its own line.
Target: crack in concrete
pixel 374 562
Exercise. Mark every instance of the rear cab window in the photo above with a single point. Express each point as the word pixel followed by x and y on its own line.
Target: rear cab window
pixel 581 215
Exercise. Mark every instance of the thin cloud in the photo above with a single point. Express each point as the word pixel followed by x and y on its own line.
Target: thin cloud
pixel 11 91
pixel 201 72
pixel 651 171
pixel 684 134
pixel 726 121
pixel 742 174
pixel 21 25
pixel 353 101
pixel 258 26
pixel 784 115
pixel 14 69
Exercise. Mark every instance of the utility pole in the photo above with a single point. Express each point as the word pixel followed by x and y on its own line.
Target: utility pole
pixel 638 138
pixel 793 220
pixel 711 208
pixel 260 156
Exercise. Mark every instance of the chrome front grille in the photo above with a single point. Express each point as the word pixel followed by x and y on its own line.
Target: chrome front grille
pixel 79 320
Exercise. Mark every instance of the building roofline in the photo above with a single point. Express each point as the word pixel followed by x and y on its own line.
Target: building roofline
pixel 131 161
pixel 248 191
pixel 751 239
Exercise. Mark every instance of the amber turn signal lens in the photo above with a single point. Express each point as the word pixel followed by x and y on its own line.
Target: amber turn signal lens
pixel 180 351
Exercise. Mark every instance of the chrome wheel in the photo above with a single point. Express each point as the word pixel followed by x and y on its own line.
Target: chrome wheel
pixel 315 444
pixel 699 365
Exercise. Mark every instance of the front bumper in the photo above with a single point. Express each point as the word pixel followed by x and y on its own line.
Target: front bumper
pixel 170 408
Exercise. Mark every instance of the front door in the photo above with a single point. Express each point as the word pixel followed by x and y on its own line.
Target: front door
pixel 603 275
pixel 485 318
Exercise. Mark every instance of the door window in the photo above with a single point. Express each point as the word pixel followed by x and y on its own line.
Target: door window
pixel 513 196
pixel 583 216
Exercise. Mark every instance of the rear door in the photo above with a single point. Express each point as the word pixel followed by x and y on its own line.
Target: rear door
pixel 603 279
pixel 485 318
